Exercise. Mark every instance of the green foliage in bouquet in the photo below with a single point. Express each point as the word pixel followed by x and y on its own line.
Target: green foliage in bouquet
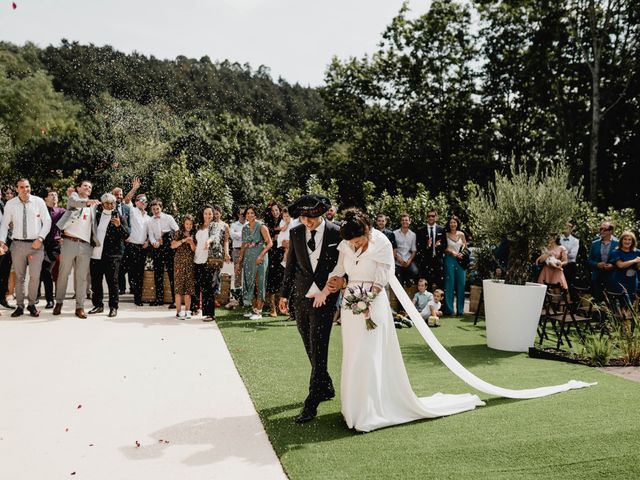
pixel 525 209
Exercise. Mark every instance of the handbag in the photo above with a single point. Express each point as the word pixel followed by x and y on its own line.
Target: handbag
pixel 465 259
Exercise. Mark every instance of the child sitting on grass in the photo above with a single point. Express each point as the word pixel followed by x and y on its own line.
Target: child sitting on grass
pixel 433 320
pixel 422 298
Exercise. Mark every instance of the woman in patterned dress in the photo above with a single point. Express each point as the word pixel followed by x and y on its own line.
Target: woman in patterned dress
pixel 256 242
pixel 184 245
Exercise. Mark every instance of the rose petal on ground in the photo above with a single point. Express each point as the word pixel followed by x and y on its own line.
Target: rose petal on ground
pixel 137 444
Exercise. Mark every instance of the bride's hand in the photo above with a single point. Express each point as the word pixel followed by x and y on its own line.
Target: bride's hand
pixel 319 299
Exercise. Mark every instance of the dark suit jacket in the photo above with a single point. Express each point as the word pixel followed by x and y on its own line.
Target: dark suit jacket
pixel 299 273
pixel 125 213
pixel 114 239
pixel 424 254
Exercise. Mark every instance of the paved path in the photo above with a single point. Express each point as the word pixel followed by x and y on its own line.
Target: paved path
pixel 76 395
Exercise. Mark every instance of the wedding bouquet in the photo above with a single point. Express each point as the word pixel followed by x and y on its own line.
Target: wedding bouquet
pixel 553 261
pixel 358 300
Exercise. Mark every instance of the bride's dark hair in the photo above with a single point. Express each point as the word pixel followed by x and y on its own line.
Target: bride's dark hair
pixel 355 224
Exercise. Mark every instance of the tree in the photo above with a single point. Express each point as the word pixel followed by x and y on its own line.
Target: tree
pixel 608 37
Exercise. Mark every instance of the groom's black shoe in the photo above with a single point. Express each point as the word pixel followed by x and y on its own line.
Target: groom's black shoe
pixel 306 415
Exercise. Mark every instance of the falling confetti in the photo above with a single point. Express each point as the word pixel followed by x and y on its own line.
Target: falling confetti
pixel 79 407
pixel 66 429
pixel 137 444
pixel 91 444
pixel 72 473
pixel 14 6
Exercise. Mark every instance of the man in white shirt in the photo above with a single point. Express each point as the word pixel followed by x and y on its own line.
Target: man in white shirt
pixel 572 244
pixel 135 255
pixel 406 268
pixel 161 227
pixel 235 230
pixel 78 238
pixel 31 224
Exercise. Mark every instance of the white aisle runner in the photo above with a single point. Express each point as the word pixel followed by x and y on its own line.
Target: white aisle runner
pixel 76 395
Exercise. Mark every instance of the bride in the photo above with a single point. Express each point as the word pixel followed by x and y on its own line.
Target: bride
pixel 375 389
pixel 376 392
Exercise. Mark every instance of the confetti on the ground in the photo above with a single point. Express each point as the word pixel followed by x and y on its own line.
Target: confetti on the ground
pixel 14 6
pixel 79 407
pixel 73 473
pixel 137 444
pixel 91 444
pixel 66 429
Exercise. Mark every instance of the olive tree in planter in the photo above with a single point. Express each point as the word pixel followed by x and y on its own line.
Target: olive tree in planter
pixel 524 209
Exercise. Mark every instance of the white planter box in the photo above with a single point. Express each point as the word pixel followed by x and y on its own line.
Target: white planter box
pixel 512 313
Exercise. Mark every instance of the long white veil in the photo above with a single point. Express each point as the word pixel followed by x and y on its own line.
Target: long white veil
pixel 455 366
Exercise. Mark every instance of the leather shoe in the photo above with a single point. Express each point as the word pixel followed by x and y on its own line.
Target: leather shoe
pixel 138 303
pixel 6 304
pixel 80 313
pixel 49 305
pixel 18 312
pixel 33 311
pixel 172 306
pixel 306 415
pixel 57 309
pixel 112 312
pixel 96 310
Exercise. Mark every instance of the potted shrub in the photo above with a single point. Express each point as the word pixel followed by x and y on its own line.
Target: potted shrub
pixel 521 210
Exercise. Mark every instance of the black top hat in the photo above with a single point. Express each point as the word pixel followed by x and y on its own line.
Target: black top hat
pixel 309 206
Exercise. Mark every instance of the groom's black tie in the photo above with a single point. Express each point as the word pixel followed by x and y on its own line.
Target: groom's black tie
pixel 312 241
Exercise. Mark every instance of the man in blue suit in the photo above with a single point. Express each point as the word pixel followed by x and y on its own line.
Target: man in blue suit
pixel 599 253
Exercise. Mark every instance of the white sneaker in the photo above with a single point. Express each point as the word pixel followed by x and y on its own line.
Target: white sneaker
pixel 255 316
pixel 180 316
pixel 249 314
pixel 187 315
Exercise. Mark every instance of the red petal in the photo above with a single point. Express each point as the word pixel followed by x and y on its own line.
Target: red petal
pixel 137 444
pixel 13 4
pixel 79 407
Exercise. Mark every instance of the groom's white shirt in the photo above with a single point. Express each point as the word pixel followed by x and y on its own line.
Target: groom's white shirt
pixel 315 255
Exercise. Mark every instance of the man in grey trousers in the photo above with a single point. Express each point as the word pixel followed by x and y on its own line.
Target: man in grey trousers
pixel 31 223
pixel 78 239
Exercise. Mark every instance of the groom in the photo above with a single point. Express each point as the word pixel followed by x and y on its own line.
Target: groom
pixel 313 254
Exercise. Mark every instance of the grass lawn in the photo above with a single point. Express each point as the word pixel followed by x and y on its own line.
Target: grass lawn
pixel 584 434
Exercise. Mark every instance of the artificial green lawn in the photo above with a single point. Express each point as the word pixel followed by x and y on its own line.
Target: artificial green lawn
pixel 584 434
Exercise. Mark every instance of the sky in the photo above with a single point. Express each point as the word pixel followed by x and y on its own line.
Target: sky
pixel 296 39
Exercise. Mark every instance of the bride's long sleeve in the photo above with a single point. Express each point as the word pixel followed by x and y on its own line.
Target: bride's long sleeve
pixel 381 275
pixel 339 270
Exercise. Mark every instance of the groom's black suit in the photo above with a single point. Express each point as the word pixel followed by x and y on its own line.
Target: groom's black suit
pixel 430 258
pixel 314 324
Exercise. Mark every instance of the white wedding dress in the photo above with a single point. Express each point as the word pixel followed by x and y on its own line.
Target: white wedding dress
pixel 375 388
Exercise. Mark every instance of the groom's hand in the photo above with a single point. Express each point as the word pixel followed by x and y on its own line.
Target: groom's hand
pixel 283 305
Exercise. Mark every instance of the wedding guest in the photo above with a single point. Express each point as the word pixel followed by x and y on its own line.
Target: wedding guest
pixel 283 238
pixel 79 235
pixel 183 273
pixel 598 260
pixel 31 224
pixel 381 224
pixel 107 254
pixel 454 273
pixel 218 223
pixel 330 216
pixel 433 307
pixel 275 271
pixel 421 299
pixel 5 265
pixel 235 230
pixel 208 259
pixel 626 258
pixel 136 248
pixel 553 260
pixel 406 269
pixel 52 244
pixel 431 242
pixel 161 227
pixel 125 214
pixel 256 243
pixel 572 244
